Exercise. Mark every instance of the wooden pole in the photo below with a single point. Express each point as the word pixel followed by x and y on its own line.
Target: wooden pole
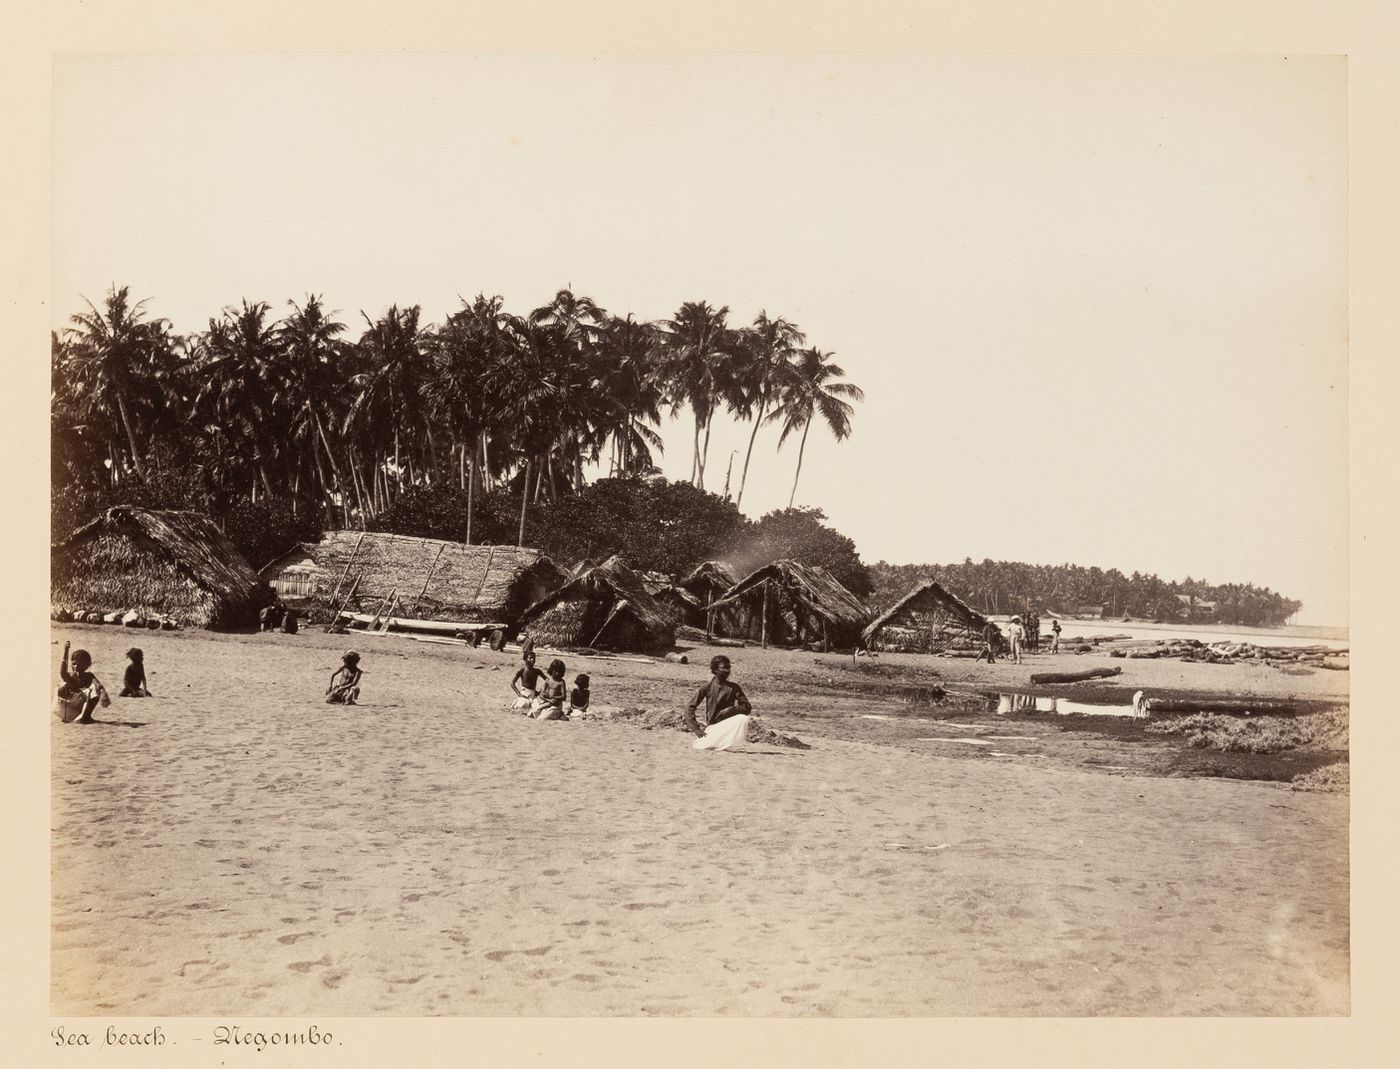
pixel 490 556
pixel 353 553
pixel 429 578
pixel 615 610
pixel 763 624
pixel 335 616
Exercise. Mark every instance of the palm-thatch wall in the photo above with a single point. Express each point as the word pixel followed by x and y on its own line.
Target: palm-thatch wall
pixel 792 604
pixel 928 619
pixel 434 579
pixel 173 564
pixel 607 606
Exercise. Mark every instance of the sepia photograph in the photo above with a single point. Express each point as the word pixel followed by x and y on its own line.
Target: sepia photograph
pixel 713 535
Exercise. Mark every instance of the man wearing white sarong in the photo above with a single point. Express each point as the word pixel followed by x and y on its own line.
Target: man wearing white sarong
pixel 719 712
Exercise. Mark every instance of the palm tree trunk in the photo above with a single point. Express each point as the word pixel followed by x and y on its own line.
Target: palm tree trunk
pixel 805 428
pixel 471 487
pixel 705 451
pixel 695 458
pixel 524 500
pixel 744 475
pixel 130 436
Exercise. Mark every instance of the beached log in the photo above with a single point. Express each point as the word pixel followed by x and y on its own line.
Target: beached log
pixel 1074 677
pixel 677 658
pixel 728 643
pixel 1239 706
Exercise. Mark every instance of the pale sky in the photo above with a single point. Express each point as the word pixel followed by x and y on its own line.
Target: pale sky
pixel 1097 304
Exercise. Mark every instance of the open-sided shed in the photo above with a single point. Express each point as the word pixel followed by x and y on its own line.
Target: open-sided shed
pixel 432 578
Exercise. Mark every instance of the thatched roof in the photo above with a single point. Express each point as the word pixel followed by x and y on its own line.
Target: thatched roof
pixel 928 595
pixel 616 590
pixel 712 575
pixel 433 577
pixel 813 588
pixel 177 564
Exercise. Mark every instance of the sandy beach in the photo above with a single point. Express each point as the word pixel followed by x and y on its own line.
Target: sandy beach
pixel 234 845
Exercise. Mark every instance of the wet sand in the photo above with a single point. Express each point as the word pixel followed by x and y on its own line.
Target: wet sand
pixel 236 846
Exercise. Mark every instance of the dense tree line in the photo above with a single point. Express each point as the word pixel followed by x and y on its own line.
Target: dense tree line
pixel 294 419
pixel 1009 587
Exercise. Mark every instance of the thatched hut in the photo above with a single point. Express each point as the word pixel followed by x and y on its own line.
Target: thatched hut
pixel 679 604
pixel 708 583
pixel 176 565
pixel 607 606
pixel 792 604
pixel 928 619
pixel 433 579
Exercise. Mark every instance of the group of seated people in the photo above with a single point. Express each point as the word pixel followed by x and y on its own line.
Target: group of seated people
pixel 541 695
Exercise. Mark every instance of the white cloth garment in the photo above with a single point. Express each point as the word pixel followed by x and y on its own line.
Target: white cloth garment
pixel 724 735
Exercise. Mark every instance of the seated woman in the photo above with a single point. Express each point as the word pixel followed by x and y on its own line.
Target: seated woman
pixel 345 682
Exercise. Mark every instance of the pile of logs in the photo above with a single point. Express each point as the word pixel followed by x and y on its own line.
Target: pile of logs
pixel 1235 653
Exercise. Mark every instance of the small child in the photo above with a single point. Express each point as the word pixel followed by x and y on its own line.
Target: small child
pixel 525 682
pixel 345 682
pixel 134 681
pixel 578 698
pixel 550 703
pixel 81 691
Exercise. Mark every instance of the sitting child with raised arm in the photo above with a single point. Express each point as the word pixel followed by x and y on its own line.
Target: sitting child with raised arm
pixel 81 691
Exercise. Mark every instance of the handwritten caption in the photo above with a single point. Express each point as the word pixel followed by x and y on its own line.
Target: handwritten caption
pixel 224 1035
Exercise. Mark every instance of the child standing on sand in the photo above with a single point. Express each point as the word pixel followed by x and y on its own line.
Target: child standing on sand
pixel 134 681
pixel 726 710
pixel 525 682
pixel 81 691
pixel 550 703
pixel 345 681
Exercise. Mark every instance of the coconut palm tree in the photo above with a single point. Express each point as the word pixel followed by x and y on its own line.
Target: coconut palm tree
pixel 472 354
pixel 238 389
pixel 389 401
pixel 699 348
pixel 310 384
pixel 632 391
pixel 761 374
pixel 813 390
pixel 117 359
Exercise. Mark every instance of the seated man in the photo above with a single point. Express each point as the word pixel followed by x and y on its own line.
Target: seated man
pixel 726 710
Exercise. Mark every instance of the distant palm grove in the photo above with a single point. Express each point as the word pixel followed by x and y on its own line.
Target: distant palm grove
pixel 478 429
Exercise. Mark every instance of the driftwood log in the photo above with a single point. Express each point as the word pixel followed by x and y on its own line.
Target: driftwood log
pixel 1237 706
pixel 1074 677
pixel 728 643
